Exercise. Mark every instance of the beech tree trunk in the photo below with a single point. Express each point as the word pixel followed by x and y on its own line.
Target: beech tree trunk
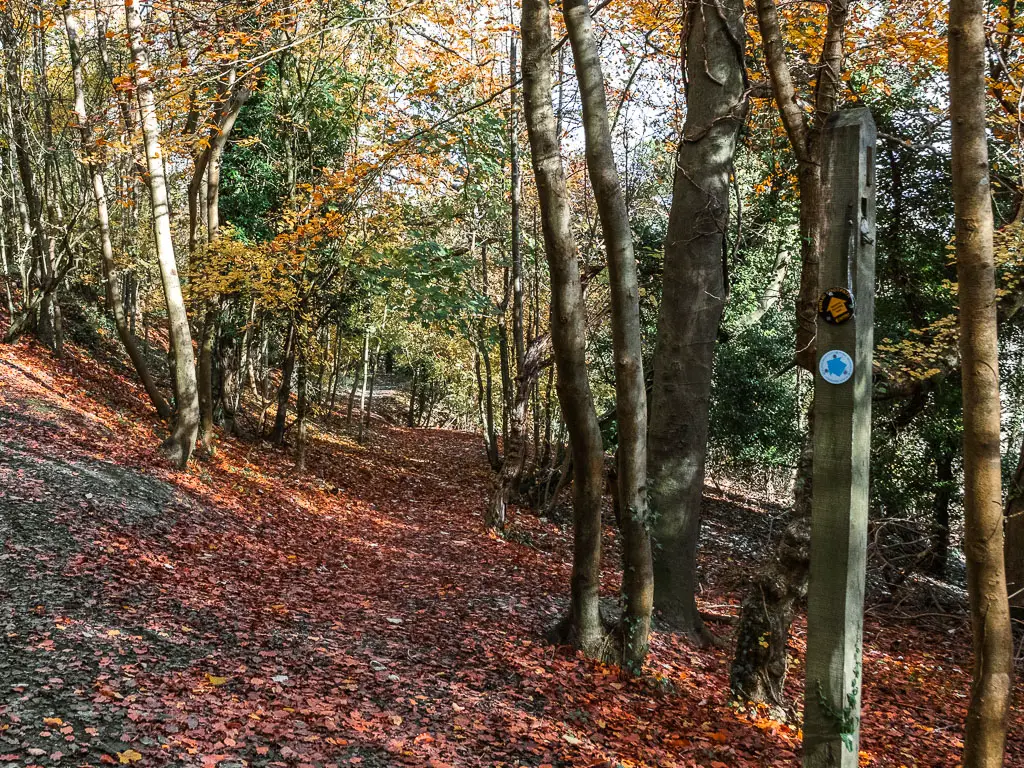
pixel 985 739
pixel 630 388
pixel 181 443
pixel 232 99
pixel 692 303
pixel 758 672
pixel 582 626
pixel 110 274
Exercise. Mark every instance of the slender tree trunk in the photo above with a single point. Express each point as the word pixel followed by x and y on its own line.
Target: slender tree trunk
pixel 985 740
pixel 582 626
pixel 285 390
pixel 938 554
pixel 32 210
pixel 506 364
pixel 352 391
pixel 487 384
pixel 692 303
pixel 110 274
pixel 206 339
pixel 181 443
pixel 515 447
pixel 760 663
pixel 630 389
pixel 301 413
pixel 410 419
pixel 366 378
pixel 518 336
pixel 369 400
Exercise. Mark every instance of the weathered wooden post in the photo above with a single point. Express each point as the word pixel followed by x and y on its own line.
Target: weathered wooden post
pixel 842 444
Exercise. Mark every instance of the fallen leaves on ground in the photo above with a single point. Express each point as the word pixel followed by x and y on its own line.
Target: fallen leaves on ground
pixel 240 615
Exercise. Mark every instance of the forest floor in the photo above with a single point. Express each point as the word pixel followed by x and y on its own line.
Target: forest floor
pixel 241 614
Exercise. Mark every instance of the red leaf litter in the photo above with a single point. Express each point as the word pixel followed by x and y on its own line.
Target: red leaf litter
pixel 241 614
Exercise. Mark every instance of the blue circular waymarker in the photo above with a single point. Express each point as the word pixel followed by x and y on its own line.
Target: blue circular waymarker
pixel 836 367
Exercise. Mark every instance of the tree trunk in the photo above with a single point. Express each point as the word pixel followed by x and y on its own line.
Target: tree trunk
pixel 365 422
pixel 692 303
pixel 515 447
pixel 582 626
pixel 181 443
pixel 987 713
pixel 410 419
pixel 110 274
pixel 518 336
pixel 759 666
pixel 301 408
pixel 758 672
pixel 285 390
pixel 206 339
pixel 32 211
pixel 366 378
pixel 630 389
pixel 232 99
pixel 938 554
pixel 352 391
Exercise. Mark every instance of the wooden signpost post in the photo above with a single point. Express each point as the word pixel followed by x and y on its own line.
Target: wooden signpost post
pixel 842 444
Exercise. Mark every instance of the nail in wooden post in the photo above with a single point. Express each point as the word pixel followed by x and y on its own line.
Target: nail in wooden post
pixel 842 443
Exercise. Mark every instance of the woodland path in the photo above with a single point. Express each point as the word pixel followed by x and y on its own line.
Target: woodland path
pixel 239 614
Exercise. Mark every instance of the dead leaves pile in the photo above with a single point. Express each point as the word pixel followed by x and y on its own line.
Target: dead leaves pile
pixel 356 615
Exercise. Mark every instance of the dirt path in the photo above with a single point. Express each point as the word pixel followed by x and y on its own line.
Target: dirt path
pixel 238 615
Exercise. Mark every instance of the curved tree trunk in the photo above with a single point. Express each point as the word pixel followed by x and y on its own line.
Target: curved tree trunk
pixel 231 100
pixel 630 389
pixel 181 443
pixel 987 713
pixel 110 273
pixel 760 663
pixel 692 303
pixel 582 625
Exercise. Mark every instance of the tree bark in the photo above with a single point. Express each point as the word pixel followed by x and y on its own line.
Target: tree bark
pixel 582 626
pixel 515 446
pixel 693 300
pixel 518 336
pixel 181 443
pixel 110 274
pixel 758 673
pixel 630 389
pixel 938 554
pixel 985 739
pixel 301 413
pixel 285 390
pixel 366 378
pixel 231 99
pixel 32 211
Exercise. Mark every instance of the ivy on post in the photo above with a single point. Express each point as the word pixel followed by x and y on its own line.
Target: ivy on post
pixel 842 443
